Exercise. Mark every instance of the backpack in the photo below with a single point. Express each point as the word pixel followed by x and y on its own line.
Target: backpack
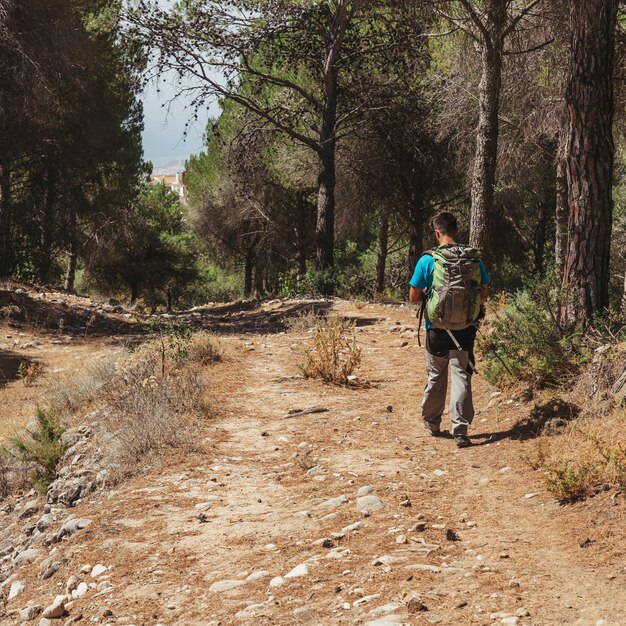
pixel 454 300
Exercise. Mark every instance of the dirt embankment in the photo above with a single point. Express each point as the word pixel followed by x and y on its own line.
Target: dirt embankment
pixel 348 516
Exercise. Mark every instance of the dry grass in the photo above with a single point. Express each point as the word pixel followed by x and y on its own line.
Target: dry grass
pixel 204 349
pixel 589 457
pixel 335 354
pixel 303 322
pixel 78 389
pixel 14 476
pixel 148 411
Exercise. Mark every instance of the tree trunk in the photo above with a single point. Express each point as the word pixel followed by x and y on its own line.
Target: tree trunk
pixel 624 294
pixel 561 216
pixel 301 233
pixel 45 270
pixel 589 158
pixel 485 159
pixel 247 288
pixel 134 293
pixel 5 219
pixel 416 242
pixel 381 261
pixel 72 261
pixel 259 277
pixel 539 239
pixel 325 230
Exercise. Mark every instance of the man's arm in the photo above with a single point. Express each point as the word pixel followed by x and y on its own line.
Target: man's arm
pixel 416 295
pixel 484 294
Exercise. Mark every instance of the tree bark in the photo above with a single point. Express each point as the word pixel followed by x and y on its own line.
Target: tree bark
pixel 381 260
pixel 416 242
pixel 72 261
pixel 325 230
pixel 561 216
pixel 589 158
pixel 5 219
pixel 624 294
pixel 485 160
pixel 259 277
pixel 247 288
pixel 301 233
pixel 539 239
pixel 45 269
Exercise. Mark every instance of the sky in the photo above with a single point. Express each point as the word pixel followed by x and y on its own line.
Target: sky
pixel 164 126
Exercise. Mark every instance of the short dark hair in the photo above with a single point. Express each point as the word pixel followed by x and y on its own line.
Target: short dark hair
pixel 445 223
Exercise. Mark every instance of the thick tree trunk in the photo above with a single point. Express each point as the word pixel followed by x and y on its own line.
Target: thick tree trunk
pixel 134 293
pixel 5 219
pixel 45 270
pixel 72 260
pixel 325 230
pixel 301 234
pixel 624 294
pixel 381 261
pixel 247 286
pixel 259 277
pixel 485 160
pixel 561 215
pixel 539 239
pixel 416 242
pixel 589 158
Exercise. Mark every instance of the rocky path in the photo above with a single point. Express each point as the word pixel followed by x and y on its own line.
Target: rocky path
pixel 347 516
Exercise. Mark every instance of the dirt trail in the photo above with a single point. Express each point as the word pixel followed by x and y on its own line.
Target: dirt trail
pixel 248 512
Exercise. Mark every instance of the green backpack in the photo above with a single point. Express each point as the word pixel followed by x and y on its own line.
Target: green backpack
pixel 454 300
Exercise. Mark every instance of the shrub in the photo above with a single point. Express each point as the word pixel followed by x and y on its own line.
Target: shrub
pixel 173 341
pixel 204 349
pixel 304 321
pixel 148 410
pixel 76 389
pixel 569 481
pixel 335 354
pixel 527 337
pixel 42 447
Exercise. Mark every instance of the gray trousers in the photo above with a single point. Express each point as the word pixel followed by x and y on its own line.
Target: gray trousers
pixel 461 405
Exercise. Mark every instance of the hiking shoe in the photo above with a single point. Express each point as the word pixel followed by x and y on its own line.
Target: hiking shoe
pixel 462 441
pixel 435 432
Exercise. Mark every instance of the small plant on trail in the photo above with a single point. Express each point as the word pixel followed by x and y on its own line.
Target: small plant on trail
pixel 42 447
pixel 27 372
pixel 173 339
pixel 570 482
pixel 302 322
pixel 335 354
pixel 204 349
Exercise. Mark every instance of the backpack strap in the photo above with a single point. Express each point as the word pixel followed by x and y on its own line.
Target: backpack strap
pixel 422 309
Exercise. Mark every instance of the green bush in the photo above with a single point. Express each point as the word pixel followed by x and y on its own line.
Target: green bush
pixel 41 448
pixel 527 337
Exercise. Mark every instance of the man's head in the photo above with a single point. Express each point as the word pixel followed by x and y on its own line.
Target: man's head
pixel 445 227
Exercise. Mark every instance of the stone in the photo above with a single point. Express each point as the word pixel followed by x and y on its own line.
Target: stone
pixel 17 589
pixel 226 585
pixel 352 527
pixel 70 527
pixel 50 570
pixel 71 584
pixel 439 472
pixel 388 620
pixel 81 589
pixel 513 620
pixel 522 612
pixel 365 599
pixel 298 570
pixel 26 556
pixel 277 581
pixel 317 470
pixel 388 559
pixel 258 575
pixel 97 570
pixel 390 607
pixel 364 491
pixel 249 611
pixel 401 539
pixel 370 503
pixel 44 621
pixel 44 521
pixel 30 508
pixel 334 502
pixel 56 609
pixel 30 613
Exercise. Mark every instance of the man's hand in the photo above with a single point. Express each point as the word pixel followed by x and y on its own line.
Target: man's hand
pixel 484 294
pixel 415 295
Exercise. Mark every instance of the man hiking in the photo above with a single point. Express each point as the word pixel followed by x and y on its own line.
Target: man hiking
pixel 451 284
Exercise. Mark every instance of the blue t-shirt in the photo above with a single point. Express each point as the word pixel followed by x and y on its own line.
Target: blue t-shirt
pixel 423 275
